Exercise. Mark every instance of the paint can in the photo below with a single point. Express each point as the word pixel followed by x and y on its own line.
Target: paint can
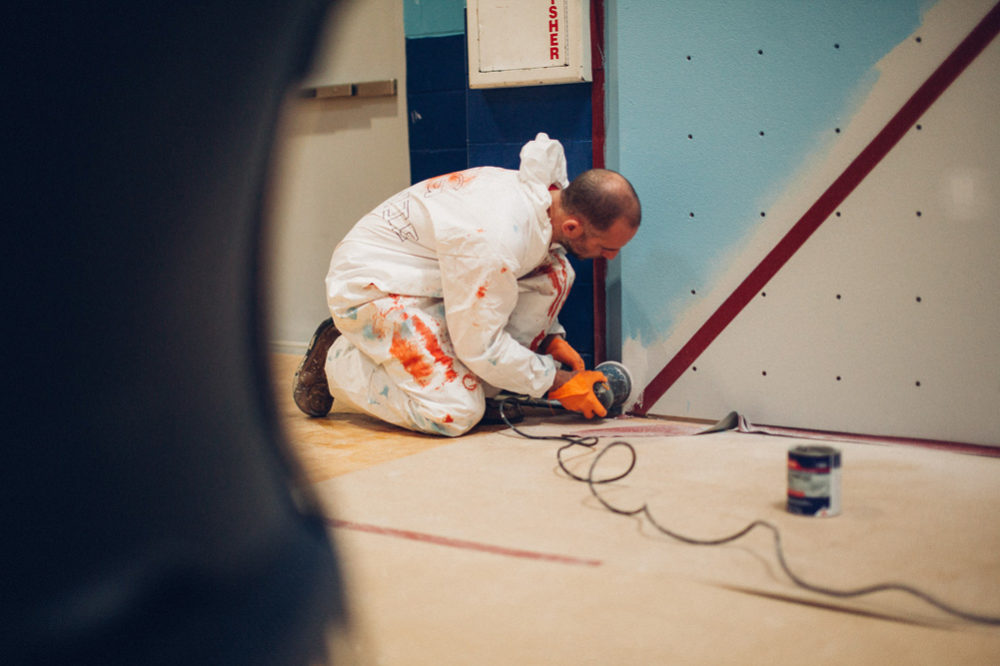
pixel 814 480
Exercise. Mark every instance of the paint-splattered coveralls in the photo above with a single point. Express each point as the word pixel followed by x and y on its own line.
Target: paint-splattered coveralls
pixel 444 292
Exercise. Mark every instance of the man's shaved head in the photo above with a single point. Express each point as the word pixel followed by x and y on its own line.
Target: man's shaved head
pixel 602 196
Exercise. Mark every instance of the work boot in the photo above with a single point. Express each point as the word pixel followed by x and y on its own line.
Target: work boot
pixel 310 390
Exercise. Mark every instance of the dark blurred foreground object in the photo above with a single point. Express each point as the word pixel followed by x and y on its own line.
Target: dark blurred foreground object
pixel 150 512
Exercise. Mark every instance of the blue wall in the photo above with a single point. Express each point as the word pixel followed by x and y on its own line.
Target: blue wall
pixel 453 127
pixel 714 107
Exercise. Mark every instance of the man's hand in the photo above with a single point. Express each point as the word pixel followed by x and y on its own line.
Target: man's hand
pixel 577 394
pixel 563 352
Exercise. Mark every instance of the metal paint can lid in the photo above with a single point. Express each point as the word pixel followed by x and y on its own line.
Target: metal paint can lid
pixel 815 455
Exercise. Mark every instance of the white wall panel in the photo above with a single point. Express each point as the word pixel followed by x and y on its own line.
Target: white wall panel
pixel 887 320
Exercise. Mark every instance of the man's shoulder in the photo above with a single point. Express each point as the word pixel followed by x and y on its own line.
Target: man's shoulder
pixel 464 181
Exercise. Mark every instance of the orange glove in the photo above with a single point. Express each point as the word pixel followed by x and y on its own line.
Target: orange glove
pixel 564 353
pixel 578 394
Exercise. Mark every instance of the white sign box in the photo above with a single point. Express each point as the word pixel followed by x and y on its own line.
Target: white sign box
pixel 528 42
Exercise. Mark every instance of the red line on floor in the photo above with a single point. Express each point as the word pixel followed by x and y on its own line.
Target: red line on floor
pixel 460 543
pixel 899 125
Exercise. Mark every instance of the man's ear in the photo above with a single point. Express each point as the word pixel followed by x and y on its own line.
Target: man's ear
pixel 572 228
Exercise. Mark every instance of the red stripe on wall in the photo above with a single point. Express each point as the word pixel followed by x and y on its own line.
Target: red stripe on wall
pixel 597 134
pixel 597 89
pixel 917 105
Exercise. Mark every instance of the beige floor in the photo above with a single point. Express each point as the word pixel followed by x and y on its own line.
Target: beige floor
pixel 341 443
pixel 478 550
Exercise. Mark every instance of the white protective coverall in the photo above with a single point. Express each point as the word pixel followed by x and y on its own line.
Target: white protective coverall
pixel 444 292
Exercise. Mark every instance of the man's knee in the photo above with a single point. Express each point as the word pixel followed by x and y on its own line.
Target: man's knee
pixel 449 419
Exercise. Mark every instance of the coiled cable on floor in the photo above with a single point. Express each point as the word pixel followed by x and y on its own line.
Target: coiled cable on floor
pixel 593 482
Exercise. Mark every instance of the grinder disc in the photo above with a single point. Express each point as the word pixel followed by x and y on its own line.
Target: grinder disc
pixel 619 381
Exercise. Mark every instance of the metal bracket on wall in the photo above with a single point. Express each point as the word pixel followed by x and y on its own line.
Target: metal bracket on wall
pixel 385 88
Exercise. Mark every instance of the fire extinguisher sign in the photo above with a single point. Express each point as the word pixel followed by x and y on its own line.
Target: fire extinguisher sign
pixel 528 42
pixel 555 41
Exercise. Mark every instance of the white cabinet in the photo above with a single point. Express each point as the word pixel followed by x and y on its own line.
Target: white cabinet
pixel 528 42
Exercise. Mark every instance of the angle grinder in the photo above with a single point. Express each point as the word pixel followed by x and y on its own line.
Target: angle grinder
pixel 612 394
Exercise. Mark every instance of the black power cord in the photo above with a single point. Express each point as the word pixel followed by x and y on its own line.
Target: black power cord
pixel 592 482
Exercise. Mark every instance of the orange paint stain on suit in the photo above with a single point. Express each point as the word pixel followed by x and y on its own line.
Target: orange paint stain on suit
pixel 452 181
pixel 558 278
pixel 433 345
pixel 537 341
pixel 412 359
pixel 378 321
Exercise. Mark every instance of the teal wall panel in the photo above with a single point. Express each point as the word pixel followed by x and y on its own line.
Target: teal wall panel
pixel 714 107
pixel 434 18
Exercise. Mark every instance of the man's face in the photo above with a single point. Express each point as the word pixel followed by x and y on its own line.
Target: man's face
pixel 592 242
